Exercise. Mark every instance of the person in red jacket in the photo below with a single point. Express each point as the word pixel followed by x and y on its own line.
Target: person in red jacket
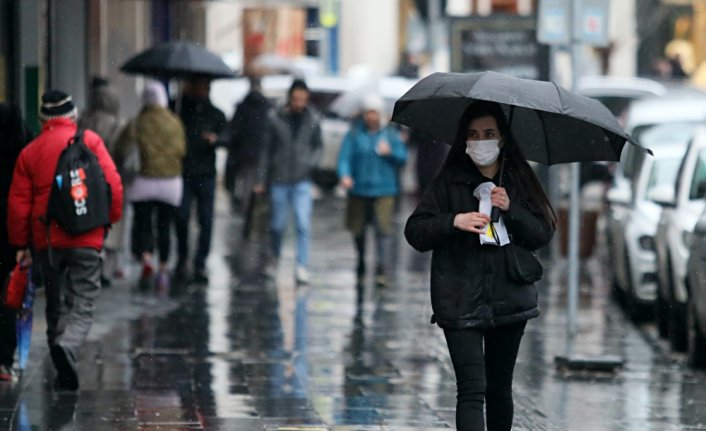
pixel 69 300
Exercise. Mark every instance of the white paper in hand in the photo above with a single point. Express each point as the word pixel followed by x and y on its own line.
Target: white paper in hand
pixel 482 193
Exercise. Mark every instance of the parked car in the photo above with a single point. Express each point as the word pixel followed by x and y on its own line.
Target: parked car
pixel 632 218
pixel 617 92
pixel 696 302
pixel 678 106
pixel 682 206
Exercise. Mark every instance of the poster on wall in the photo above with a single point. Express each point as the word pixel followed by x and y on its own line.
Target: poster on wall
pixel 502 43
pixel 277 32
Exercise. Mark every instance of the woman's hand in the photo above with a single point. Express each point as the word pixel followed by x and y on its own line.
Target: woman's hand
pixel 472 222
pixel 499 198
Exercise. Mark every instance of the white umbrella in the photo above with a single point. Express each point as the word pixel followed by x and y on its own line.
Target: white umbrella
pixel 389 88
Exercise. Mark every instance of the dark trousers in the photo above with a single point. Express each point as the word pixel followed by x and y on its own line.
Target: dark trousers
pixel 72 286
pixel 149 215
pixel 202 189
pixel 484 362
pixel 8 340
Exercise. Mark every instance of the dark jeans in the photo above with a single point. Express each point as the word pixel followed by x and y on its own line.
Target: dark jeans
pixel 201 188
pixel 72 285
pixel 8 340
pixel 484 376
pixel 375 211
pixel 143 228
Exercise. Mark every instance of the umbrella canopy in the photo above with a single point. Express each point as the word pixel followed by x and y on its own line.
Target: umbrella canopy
pixel 178 60
pixel 551 125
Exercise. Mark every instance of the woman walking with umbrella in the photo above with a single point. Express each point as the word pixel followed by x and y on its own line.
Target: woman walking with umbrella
pixel 481 308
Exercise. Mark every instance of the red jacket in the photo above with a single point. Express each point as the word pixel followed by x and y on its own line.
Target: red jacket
pixel 32 181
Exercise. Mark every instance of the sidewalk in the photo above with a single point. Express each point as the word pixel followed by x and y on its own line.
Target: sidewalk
pixel 248 353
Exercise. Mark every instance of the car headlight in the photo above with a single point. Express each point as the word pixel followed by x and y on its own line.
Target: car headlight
pixel 647 242
pixel 686 236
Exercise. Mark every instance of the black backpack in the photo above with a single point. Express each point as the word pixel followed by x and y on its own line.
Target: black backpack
pixel 80 198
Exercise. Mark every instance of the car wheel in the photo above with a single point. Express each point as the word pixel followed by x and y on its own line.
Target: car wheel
pixel 632 305
pixel 662 315
pixel 678 327
pixel 696 345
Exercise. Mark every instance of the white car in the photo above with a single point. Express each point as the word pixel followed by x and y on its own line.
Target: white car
pixel 682 206
pixel 632 219
pixel 696 308
pixel 617 92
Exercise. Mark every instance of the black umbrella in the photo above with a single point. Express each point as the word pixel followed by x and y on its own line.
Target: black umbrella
pixel 178 60
pixel 551 125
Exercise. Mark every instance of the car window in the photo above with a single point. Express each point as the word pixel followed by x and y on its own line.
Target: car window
pixel 616 104
pixel 698 180
pixel 653 136
pixel 321 101
pixel 663 172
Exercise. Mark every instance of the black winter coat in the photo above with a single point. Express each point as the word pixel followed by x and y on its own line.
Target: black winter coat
pixel 469 283
pixel 199 116
pixel 246 131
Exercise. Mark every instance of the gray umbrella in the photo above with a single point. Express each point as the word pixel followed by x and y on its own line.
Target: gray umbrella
pixel 178 59
pixel 551 125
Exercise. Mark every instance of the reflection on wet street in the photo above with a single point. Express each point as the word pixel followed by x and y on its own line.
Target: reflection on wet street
pixel 251 353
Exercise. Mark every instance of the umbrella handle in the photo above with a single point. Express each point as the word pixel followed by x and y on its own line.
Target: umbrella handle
pixel 495 214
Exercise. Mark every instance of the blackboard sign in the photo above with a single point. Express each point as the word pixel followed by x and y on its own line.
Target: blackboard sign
pixel 502 43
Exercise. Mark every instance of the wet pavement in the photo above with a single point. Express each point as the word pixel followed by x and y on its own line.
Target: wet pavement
pixel 250 353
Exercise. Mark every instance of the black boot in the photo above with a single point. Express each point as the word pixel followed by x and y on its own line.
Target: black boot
pixel 360 270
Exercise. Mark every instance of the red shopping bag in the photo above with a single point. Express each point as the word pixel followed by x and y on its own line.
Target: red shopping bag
pixel 15 287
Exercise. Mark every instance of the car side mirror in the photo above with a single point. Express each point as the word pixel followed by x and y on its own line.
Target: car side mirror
pixel 619 195
pixel 663 195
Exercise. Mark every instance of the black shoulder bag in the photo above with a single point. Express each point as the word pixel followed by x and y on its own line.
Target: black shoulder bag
pixel 523 266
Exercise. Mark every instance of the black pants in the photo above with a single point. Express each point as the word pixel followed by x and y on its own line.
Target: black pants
pixel 143 228
pixel 484 373
pixel 202 189
pixel 8 341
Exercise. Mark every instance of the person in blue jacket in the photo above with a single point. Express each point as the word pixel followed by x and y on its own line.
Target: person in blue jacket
pixel 368 164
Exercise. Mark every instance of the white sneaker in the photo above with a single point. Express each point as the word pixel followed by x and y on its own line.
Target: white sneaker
pixel 302 275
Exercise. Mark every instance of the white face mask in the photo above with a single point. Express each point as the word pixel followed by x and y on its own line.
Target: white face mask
pixel 483 153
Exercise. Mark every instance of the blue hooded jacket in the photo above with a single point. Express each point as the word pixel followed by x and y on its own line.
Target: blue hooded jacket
pixel 373 175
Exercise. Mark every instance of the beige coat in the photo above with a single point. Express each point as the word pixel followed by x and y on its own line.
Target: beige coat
pixel 162 141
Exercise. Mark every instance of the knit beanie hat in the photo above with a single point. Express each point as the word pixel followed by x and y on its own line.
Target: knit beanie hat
pixel 155 94
pixel 57 104
pixel 372 102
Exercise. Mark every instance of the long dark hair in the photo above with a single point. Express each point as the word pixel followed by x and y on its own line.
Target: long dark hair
pixel 516 166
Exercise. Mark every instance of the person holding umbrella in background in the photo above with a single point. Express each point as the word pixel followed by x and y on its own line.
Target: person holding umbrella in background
pixel 482 310
pixel 156 191
pixel 14 136
pixel 203 123
pixel 369 159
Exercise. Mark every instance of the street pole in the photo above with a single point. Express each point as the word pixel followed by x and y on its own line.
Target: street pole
pixel 572 24
pixel 574 205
